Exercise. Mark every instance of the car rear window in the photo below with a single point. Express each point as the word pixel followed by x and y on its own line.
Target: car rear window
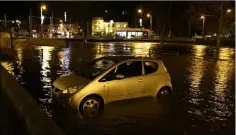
pixel 150 67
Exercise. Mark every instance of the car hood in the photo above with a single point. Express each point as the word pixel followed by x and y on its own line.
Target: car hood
pixel 71 80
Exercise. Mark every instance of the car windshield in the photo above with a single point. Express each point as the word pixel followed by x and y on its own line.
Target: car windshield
pixel 92 69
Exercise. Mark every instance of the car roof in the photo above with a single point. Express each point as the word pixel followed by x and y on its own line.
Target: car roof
pixel 124 58
pixel 116 58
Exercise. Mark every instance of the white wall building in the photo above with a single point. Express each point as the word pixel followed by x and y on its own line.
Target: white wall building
pixel 133 32
pixel 100 28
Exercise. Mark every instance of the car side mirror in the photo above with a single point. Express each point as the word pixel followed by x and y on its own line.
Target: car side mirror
pixel 119 76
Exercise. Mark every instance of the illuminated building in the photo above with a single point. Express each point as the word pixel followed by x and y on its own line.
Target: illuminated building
pixel 62 29
pixel 101 28
pixel 133 32
pixel 97 26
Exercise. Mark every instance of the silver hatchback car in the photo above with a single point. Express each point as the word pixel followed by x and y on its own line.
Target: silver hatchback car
pixel 112 78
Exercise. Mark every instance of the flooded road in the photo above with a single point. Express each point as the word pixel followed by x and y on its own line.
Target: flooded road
pixel 203 101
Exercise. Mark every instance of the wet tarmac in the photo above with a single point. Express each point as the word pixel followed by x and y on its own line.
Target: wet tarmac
pixel 203 101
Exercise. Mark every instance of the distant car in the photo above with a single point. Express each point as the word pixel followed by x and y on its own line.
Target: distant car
pixel 112 78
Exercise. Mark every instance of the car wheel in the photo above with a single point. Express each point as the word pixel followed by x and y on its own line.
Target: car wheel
pixel 164 92
pixel 90 107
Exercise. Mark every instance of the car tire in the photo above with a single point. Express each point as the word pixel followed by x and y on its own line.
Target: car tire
pixel 164 92
pixel 90 107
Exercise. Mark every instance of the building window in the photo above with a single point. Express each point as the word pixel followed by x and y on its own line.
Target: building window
pixel 121 33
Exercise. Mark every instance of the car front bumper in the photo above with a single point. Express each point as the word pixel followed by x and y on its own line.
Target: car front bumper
pixel 60 98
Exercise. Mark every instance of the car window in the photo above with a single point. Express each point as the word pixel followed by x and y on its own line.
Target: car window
pixel 103 64
pixel 108 76
pixel 93 69
pixel 150 67
pixel 130 69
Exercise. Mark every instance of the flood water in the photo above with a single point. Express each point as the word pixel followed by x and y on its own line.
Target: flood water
pixel 203 101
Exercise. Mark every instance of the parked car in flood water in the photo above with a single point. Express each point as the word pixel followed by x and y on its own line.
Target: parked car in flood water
pixel 112 78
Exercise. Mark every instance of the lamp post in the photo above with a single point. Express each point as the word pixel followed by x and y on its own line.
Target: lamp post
pixel 203 24
pixel 43 7
pixel 150 16
pixel 65 17
pixel 229 11
pixel 141 21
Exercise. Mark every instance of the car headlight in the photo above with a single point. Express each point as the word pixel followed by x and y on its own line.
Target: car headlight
pixel 72 89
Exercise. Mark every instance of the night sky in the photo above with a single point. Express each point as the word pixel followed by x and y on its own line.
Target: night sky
pixel 81 11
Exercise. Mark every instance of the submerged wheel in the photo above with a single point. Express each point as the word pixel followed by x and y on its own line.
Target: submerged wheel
pixel 164 92
pixel 90 106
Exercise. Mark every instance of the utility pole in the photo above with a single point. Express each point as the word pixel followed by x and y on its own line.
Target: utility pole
pixel 135 17
pixel 29 24
pixel 52 17
pixel 30 21
pixel 70 25
pixel 203 26
pixel 219 27
pixel 169 35
pixel 50 20
pixel 5 20
pixel 189 29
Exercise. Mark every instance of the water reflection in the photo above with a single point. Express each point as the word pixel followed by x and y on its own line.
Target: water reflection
pixel 136 49
pixel 196 71
pixel 9 67
pixel 20 56
pixel 199 51
pixel 226 54
pixel 100 51
pixel 64 58
pixel 120 116
pixel 142 49
pixel 208 87
pixel 223 75
pixel 45 99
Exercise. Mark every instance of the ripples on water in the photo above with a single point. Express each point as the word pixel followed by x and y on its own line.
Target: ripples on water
pixel 203 97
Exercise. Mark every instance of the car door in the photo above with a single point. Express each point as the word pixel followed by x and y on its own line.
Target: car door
pixel 129 84
pixel 150 76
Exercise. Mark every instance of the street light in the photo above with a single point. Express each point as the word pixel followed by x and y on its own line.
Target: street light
pixel 150 16
pixel 140 11
pixel 106 11
pixel 65 16
pixel 43 7
pixel 203 24
pixel 229 10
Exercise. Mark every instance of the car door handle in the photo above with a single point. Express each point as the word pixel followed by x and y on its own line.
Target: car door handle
pixel 140 80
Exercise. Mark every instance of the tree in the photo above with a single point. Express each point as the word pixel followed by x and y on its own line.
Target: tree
pixel 161 14
pixel 215 9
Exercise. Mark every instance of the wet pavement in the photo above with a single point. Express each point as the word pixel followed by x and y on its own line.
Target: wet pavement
pixel 203 101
